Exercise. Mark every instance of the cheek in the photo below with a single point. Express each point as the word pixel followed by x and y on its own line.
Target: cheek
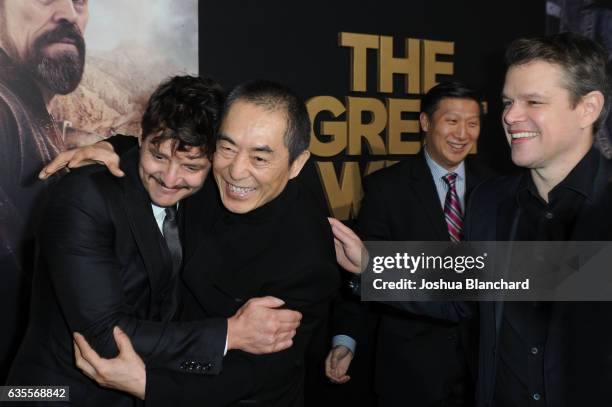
pixel 220 163
pixel 83 20
pixel 196 180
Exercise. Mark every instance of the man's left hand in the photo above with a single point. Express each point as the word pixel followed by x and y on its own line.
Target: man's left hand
pixel 126 372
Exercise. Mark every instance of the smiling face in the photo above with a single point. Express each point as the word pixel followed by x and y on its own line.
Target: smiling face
pixel 543 128
pixel 251 163
pixel 452 130
pixel 46 38
pixel 169 176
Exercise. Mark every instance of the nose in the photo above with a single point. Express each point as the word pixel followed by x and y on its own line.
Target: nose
pixel 513 113
pixel 171 176
pixel 461 131
pixel 63 10
pixel 238 167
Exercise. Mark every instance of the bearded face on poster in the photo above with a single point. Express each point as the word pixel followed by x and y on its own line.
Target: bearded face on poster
pixel 46 40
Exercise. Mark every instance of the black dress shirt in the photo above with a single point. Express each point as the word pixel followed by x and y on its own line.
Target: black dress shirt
pixel 523 336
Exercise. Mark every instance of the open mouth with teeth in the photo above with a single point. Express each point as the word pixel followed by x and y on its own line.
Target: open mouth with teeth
pixel 239 192
pixel 456 147
pixel 523 136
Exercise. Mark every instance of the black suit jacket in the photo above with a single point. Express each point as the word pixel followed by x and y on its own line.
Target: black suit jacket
pixel 103 262
pixel 419 353
pixel 578 359
pixel 285 249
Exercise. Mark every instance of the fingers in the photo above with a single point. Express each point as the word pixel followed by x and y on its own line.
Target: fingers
pixel 342 379
pixel 57 164
pixel 334 222
pixel 343 233
pixel 285 337
pixel 124 345
pixel 288 326
pixel 286 316
pixel 334 370
pixel 80 361
pixel 87 352
pixel 282 346
pixel 333 360
pixel 113 167
pixel 269 302
pixel 101 152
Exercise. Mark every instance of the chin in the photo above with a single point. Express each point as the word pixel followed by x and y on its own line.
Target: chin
pixel 237 207
pixel 164 201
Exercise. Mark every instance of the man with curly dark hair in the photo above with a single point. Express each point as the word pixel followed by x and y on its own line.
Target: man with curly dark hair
pixel 111 252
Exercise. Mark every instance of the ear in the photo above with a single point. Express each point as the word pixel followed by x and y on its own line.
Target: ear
pixel 424 121
pixel 298 164
pixel 592 103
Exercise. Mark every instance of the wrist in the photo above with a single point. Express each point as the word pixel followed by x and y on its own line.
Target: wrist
pixel 143 386
pixel 232 333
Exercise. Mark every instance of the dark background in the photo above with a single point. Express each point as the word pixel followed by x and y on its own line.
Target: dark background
pixel 296 44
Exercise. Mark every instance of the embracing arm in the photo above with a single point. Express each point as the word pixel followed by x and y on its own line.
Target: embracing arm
pixel 105 152
pixel 309 290
pixel 79 247
pixel 244 375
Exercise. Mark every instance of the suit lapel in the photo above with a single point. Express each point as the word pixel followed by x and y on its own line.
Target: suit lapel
pixel 142 223
pixel 425 190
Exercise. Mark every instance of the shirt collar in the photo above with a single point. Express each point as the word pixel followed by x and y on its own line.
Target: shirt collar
pixel 580 178
pixel 437 171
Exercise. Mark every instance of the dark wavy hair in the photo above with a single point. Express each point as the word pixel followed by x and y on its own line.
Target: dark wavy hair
pixel 186 109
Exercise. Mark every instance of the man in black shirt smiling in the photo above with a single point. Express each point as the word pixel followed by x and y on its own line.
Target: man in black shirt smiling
pixel 260 235
pixel 556 98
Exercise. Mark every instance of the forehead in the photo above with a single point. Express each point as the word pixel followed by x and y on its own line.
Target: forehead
pixel 462 106
pixel 188 153
pixel 536 77
pixel 247 123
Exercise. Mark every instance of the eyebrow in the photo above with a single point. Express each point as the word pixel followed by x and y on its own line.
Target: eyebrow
pixel 195 156
pixel 225 137
pixel 526 96
pixel 154 148
pixel 260 149
pixel 263 149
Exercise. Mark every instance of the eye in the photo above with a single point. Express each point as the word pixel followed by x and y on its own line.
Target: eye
pixel 451 121
pixel 260 160
pixel 474 124
pixel 534 102
pixel 226 147
pixel 79 4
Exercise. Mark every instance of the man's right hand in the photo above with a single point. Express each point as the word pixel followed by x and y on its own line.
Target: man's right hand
pixel 259 327
pixel 101 152
pixel 337 364
pixel 349 247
